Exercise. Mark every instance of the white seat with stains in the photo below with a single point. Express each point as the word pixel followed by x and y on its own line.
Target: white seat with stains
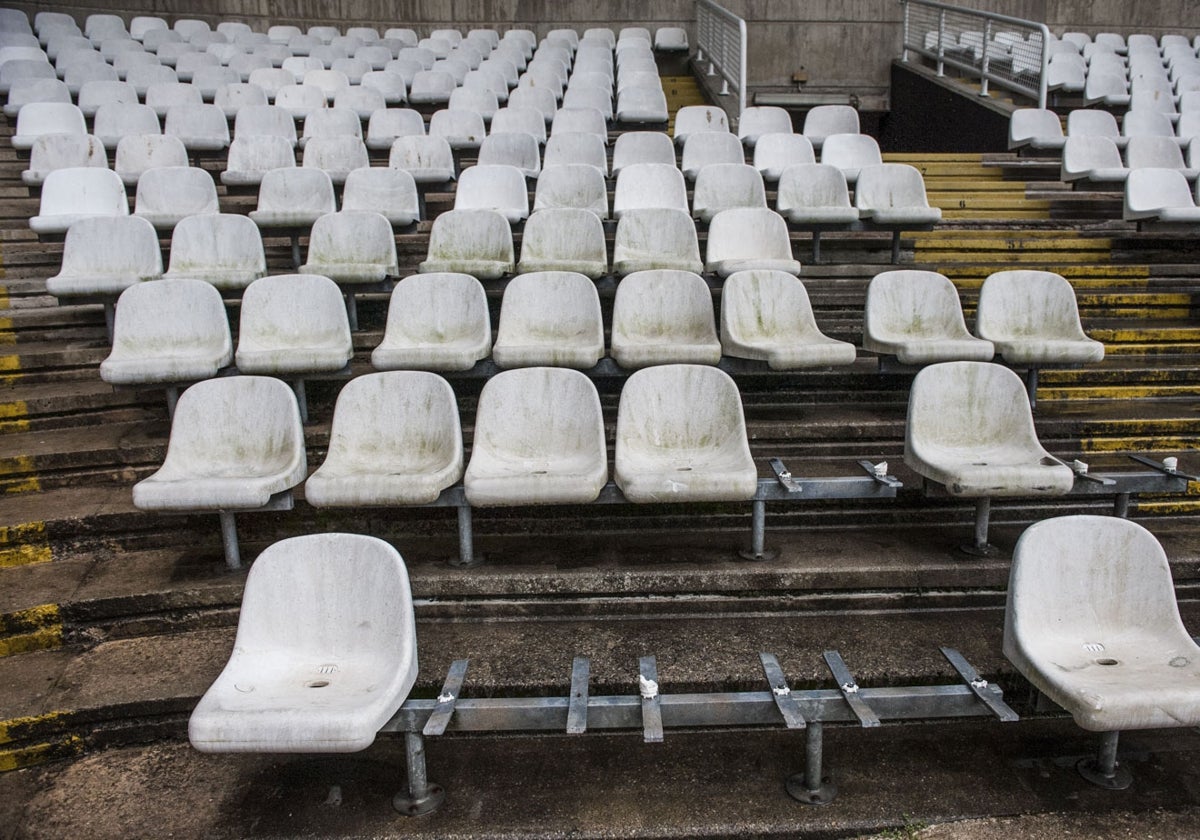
pixel 707 148
pixel 641 105
pixel 970 428
pixel 330 122
pixel 94 94
pixel 293 324
pixel 580 120
pixel 575 148
pixel 823 120
pixel 539 439
pixel 138 153
pixel 1084 122
pixel 232 98
pixel 656 237
pixel 168 331
pixel 564 239
pixel 681 437
pixel 493 187
pixel 386 125
pixel 62 151
pixel 643 186
pixel 475 242
pixel 252 157
pixel 265 120
pixel 774 153
pixel 462 129
pixel 299 100
pixel 395 440
pixel 512 120
pixel 1036 128
pixel 1093 623
pixel 167 194
pixel 352 247
pixel 763 119
pixel 576 185
pixel 165 95
pixel 671 39
pixel 815 193
pixel 722 186
pixel 431 87
pixel 1161 195
pixel 1031 318
pixel 223 249
pixel 749 237
pixel 429 160
pixel 337 156
pixel 1157 153
pixel 642 147
pixel 105 255
pixel 916 317
pixel 1092 158
pixel 512 149
pixel 664 316
pixel 293 197
pixel 325 654
pixel 38 118
pixel 436 321
pixel 850 153
pixel 235 442
pixel 75 193
pixel 115 120
pixel 695 119
pixel 549 318
pixel 766 316
pixel 894 194
pixel 391 192
pixel 27 91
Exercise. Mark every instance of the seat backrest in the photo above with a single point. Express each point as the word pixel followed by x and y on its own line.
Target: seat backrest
pixel 646 185
pixel 339 153
pixel 720 186
pixel 176 190
pixel 765 304
pixel 197 121
pixel 911 303
pixel 137 153
pixel 118 119
pixel 1027 304
pixel 539 413
pixel 704 148
pixel 259 153
pixel 353 236
pixel 571 148
pixel 580 120
pixel 1081 153
pixel 694 119
pixel 265 120
pixel 642 147
pixel 111 245
pixel 60 151
pixel 540 304
pixel 217 241
pixel 380 190
pixel 1146 123
pixel 651 234
pixel 421 152
pixel 473 234
pixel 181 313
pixel 1161 152
pixel 296 188
pixel 748 233
pixel 1076 580
pixel 889 185
pixel 292 311
pixel 824 120
pixel 851 151
pixel 519 150
pixel 438 307
pixel 680 412
pixel 232 98
pixel 762 119
pixel 517 120
pixel 663 302
pixel 89 190
pixel 574 185
pixel 391 123
pixel 1086 121
pixel 969 407
pixel 39 118
pixel 332 122
pixel 1156 188
pixel 775 152
pixel 811 185
pixel 492 187
pixel 564 233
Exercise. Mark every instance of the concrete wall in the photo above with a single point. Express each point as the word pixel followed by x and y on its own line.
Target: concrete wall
pixel 844 46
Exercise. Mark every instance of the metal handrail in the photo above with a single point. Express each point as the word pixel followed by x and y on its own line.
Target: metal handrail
pixel 939 39
pixel 721 42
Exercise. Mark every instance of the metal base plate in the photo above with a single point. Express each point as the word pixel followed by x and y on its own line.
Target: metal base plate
pixel 823 795
pixel 419 807
pixel 747 554
pixel 457 562
pixel 985 550
pixel 1089 768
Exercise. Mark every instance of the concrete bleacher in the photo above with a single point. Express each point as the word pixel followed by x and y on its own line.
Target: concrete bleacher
pixel 114 620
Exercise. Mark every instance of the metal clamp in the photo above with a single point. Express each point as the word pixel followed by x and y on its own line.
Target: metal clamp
pixel 1168 466
pixel 979 686
pixel 1080 470
pixel 784 476
pixel 781 692
pixel 879 473
pixel 439 718
pixel 577 709
pixel 652 725
pixel 849 688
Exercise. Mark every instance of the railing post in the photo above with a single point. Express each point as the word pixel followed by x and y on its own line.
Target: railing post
pixel 904 42
pixel 985 59
pixel 941 54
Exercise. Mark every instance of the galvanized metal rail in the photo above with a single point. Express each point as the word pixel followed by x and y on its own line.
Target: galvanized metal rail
pixel 652 711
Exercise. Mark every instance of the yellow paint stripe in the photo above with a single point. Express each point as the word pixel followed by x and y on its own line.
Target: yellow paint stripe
pixel 40 753
pixel 34 726
pixel 42 617
pixel 29 642
pixel 7 333
pixel 1081 276
pixel 1137 444
pixel 1168 508
pixel 1119 392
pixel 24 468
pixel 909 157
pixel 1134 335
pixel 1012 242
pixel 995 215
pixel 10 367
pixel 1005 257
pixel 27 554
pixel 25 532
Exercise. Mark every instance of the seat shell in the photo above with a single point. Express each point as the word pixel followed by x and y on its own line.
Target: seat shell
pixel 970 428
pixel 664 317
pixel 325 653
pixel 539 439
pixel 235 442
pixel 62 151
pixel 352 247
pixel 1092 621
pixel 75 193
pixel 774 153
pixel 475 242
pixel 564 239
pixel 745 238
pixel 222 249
pixel 694 119
pixel 293 197
pixel 814 194
pixel 723 186
pixel 681 437
pixel 105 255
pixel 767 316
pixel 551 319
pixel 293 323
pixel 916 316
pixel 656 237
pixel 168 331
pixel 436 321
pixel 493 187
pixel 1031 318
pixel 390 192
pixel 168 194
pixel 894 194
